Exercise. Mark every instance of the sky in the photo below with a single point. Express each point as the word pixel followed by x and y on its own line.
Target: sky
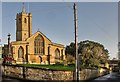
pixel 60 0
pixel 97 21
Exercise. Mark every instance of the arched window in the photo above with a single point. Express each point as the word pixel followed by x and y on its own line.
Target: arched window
pixel 25 20
pixel 39 45
pixel 20 52
pixel 57 54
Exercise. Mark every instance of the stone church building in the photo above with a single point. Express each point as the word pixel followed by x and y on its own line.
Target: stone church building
pixel 33 48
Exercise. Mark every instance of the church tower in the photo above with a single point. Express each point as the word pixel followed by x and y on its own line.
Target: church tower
pixel 23 25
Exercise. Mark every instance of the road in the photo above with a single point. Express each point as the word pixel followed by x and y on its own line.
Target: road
pixel 112 77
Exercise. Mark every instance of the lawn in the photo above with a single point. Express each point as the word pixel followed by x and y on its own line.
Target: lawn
pixel 53 67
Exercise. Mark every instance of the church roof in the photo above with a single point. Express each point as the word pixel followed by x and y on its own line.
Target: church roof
pixel 52 43
pixel 56 44
pixel 36 33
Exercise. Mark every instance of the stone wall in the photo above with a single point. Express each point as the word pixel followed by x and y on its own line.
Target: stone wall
pixel 49 74
pixel 31 73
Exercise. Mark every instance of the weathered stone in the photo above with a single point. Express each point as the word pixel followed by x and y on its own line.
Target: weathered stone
pixel 47 74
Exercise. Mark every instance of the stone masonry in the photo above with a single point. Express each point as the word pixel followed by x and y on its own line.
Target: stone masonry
pixel 37 74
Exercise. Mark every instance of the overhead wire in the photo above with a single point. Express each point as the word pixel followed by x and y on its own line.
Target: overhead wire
pixel 108 36
pixel 99 27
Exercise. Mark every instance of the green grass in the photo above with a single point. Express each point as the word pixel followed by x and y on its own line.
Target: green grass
pixel 53 67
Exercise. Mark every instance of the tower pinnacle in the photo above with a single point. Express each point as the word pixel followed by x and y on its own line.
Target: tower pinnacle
pixel 23 8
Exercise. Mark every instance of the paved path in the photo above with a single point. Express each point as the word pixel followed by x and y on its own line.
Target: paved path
pixel 112 77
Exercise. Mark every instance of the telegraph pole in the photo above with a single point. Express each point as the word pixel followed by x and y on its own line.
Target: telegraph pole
pixel 76 44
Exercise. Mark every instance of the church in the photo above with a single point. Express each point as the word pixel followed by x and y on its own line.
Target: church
pixel 33 48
